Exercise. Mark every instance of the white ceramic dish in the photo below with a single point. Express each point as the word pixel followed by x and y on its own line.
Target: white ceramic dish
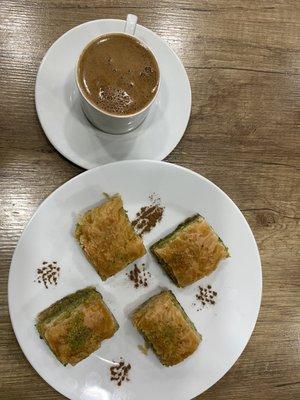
pixel 65 125
pixel 226 327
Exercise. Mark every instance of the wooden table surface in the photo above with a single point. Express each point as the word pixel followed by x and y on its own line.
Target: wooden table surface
pixel 243 61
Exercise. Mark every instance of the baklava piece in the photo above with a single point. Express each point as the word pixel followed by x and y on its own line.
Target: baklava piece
pixel 166 327
pixel 192 251
pixel 75 326
pixel 107 238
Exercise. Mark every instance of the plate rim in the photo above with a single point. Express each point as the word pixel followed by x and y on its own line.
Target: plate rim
pixel 86 164
pixel 167 164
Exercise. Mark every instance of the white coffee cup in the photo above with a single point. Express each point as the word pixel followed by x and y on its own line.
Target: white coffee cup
pixel 103 120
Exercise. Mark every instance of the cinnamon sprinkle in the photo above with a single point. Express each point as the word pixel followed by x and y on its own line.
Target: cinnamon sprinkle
pixel 148 216
pixel 48 273
pixel 119 372
pixel 139 276
pixel 205 296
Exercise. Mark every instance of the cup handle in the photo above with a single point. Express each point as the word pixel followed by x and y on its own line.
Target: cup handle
pixel 130 26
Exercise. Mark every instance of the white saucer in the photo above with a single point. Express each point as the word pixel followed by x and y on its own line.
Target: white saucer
pixel 68 130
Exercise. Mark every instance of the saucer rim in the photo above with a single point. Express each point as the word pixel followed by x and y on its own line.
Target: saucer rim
pixel 85 164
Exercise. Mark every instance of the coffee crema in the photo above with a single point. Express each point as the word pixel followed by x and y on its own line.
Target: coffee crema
pixel 118 74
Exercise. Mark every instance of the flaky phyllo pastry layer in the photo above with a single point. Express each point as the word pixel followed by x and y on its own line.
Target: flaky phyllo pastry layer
pixel 166 327
pixel 107 238
pixel 75 326
pixel 192 251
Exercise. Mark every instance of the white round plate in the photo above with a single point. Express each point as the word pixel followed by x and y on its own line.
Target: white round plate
pixel 225 327
pixel 61 116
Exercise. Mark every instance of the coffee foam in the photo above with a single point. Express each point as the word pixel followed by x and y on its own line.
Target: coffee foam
pixel 114 100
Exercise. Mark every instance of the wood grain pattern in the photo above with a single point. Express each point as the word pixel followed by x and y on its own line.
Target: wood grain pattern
pixel 243 61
